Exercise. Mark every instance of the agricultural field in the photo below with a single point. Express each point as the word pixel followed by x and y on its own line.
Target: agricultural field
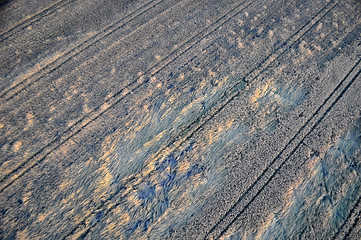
pixel 180 119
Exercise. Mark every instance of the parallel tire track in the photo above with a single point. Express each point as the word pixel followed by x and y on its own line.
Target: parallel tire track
pixel 268 171
pixel 353 226
pixel 13 91
pixel 42 153
pixel 354 213
pixel 34 18
pixel 189 131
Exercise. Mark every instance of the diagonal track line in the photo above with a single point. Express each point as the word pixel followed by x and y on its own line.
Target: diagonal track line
pixel 13 91
pixel 354 224
pixel 274 161
pixel 34 18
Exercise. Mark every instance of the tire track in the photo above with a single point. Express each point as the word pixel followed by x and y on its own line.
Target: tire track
pixel 34 18
pixel 28 164
pixel 199 123
pixel 353 213
pixel 268 170
pixel 353 226
pixel 13 91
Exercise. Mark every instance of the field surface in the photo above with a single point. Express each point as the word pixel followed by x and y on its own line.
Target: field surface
pixel 180 119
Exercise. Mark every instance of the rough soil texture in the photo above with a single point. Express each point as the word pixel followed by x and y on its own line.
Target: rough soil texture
pixel 180 119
